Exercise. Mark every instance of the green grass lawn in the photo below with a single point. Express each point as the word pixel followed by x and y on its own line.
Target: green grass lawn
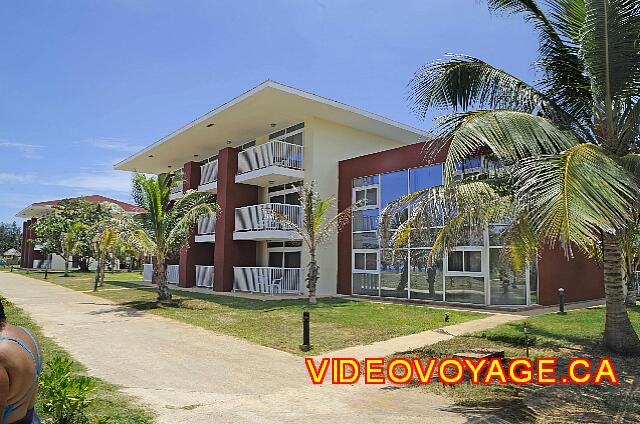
pixel 121 408
pixel 576 334
pixel 335 323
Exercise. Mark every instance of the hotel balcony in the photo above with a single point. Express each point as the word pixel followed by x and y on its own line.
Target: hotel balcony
pixel 256 222
pixel 206 229
pixel 176 192
pixel 209 177
pixel 267 280
pixel 173 273
pixel 204 276
pixel 272 163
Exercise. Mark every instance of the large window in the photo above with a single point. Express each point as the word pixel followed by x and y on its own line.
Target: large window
pixel 292 134
pixel 477 271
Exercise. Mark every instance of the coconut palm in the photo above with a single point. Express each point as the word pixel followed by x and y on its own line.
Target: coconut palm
pixel 315 228
pixel 164 226
pixel 570 142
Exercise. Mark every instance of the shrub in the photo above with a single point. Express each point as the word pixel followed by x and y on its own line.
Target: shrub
pixel 65 396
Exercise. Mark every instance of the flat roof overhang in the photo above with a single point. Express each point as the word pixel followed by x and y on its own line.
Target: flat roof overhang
pixel 251 115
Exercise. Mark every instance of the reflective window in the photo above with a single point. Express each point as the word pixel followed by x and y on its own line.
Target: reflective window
pixel 366 220
pixel 366 181
pixel 394 273
pixel 365 261
pixel 507 286
pixel 368 240
pixel 426 279
pixel 426 177
pixel 393 186
pixel 464 289
pixel 464 261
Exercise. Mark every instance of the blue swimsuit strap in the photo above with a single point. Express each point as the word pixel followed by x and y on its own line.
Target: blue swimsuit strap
pixel 36 359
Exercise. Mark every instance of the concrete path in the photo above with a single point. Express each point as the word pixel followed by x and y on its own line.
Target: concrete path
pixel 190 375
pixel 418 340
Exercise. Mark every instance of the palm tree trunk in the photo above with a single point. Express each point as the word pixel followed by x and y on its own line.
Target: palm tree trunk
pixel 619 335
pixel 160 278
pixel 312 277
pixel 97 278
pixel 102 270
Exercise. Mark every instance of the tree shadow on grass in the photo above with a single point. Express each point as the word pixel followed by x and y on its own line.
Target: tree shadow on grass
pixel 265 305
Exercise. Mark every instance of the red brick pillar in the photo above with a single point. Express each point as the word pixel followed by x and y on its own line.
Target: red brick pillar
pixel 30 251
pixel 23 247
pixel 228 252
pixel 191 173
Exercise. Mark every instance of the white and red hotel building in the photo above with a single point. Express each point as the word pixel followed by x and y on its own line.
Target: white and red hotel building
pixel 253 152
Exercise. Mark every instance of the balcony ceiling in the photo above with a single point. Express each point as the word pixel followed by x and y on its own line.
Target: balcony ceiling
pixel 251 115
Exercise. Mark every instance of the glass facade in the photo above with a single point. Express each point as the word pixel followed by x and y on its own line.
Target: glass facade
pixel 476 272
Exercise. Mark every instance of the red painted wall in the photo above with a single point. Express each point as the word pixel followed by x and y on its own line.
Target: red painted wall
pixel 228 252
pixel 580 277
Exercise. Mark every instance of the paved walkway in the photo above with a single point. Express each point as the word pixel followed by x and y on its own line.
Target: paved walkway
pixel 190 375
pixel 418 340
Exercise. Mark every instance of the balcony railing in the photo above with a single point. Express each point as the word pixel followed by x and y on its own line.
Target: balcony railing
pixel 176 191
pixel 273 153
pixel 173 273
pixel 267 280
pixel 209 172
pixel 260 218
pixel 207 225
pixel 204 276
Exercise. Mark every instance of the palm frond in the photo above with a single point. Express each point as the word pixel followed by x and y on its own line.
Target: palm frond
pixel 509 135
pixel 575 196
pixel 564 79
pixel 611 51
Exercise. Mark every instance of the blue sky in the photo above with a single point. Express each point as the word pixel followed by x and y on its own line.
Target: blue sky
pixel 83 84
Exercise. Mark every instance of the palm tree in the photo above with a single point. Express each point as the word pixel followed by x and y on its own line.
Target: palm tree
pixel 165 225
pixel 570 142
pixel 71 244
pixel 314 229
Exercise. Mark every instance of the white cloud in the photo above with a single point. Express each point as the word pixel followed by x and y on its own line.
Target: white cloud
pixel 98 182
pixel 6 177
pixel 109 143
pixel 29 151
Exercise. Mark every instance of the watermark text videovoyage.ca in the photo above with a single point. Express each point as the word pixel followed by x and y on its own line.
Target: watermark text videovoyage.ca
pixel 455 370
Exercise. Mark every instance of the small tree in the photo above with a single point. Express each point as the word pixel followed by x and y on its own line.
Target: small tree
pixel 52 230
pixel 314 229
pixel 71 244
pixel 164 226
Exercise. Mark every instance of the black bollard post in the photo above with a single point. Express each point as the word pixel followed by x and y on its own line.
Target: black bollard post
pixel 306 345
pixel 561 300
pixel 11 268
pixel 46 273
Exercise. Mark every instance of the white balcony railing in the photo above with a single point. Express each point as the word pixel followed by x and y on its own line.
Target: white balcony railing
pixel 173 273
pixel 209 172
pixel 259 217
pixel 177 188
pixel 273 153
pixel 204 276
pixel 207 225
pixel 268 280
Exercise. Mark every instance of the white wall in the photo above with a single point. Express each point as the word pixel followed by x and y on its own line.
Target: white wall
pixel 325 144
